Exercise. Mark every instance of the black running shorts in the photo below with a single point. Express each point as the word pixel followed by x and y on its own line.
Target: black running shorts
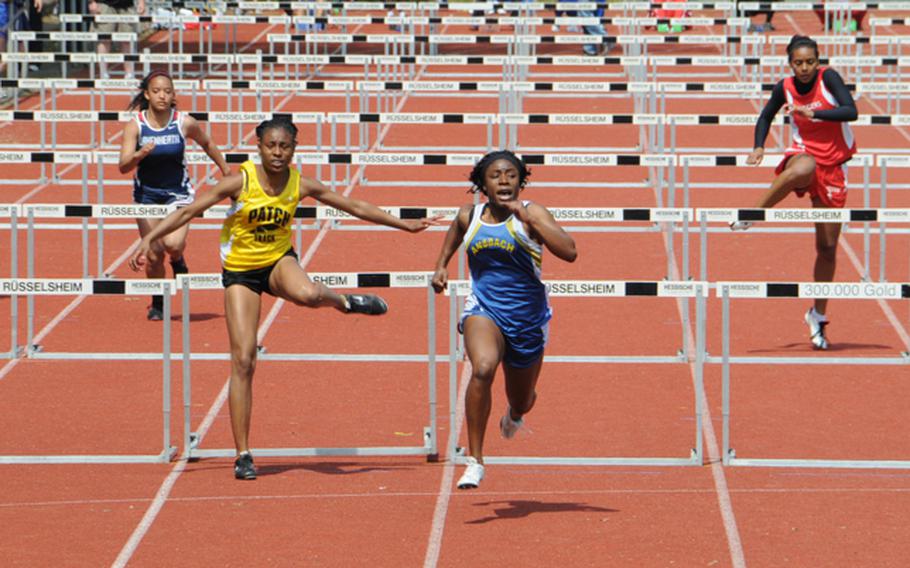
pixel 256 280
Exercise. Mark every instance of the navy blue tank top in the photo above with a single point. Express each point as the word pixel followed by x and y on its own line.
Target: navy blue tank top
pixel 165 167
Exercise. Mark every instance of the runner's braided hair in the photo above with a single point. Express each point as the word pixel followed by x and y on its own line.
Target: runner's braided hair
pixel 139 101
pixel 477 174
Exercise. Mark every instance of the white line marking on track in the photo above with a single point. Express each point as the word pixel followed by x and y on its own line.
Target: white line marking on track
pixel 411 494
pixel 734 543
pixel 725 505
pixel 434 546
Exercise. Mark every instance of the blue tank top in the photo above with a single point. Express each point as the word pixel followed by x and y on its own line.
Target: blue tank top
pixel 165 167
pixel 505 262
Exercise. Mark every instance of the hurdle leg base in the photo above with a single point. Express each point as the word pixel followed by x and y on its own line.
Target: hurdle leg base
pixel 169 454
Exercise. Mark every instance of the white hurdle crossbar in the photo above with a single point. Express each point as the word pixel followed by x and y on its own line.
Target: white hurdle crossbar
pixel 429 448
pixel 30 287
pixel 839 290
pixel 602 289
pixel 883 217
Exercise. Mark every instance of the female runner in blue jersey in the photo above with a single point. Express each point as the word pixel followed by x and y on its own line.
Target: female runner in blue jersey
pixel 505 317
pixel 154 144
pixel 257 257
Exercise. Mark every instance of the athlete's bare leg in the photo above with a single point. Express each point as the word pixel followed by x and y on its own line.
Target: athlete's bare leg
pixel 826 237
pixel 521 388
pixel 241 309
pixel 290 282
pixel 798 173
pixel 485 346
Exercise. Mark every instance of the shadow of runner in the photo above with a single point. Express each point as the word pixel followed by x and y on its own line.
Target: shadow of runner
pixel 519 509
pixel 806 346
pixel 327 468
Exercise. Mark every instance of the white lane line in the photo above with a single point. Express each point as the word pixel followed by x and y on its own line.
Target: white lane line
pixel 725 504
pixel 722 491
pixel 886 309
pixel 412 494
pixel 434 546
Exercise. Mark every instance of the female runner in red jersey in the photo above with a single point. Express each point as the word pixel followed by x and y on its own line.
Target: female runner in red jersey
pixel 820 106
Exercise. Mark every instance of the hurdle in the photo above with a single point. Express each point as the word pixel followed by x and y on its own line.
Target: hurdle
pixel 661 126
pixel 815 215
pixel 839 290
pixel 413 280
pixel 602 289
pixel 583 219
pixel 31 287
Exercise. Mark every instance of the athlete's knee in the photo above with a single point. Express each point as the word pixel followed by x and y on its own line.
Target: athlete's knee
pixel 244 363
pixel 484 368
pixel 309 296
pixel 175 249
pixel 802 171
pixel 523 406
pixel 826 251
pixel 798 178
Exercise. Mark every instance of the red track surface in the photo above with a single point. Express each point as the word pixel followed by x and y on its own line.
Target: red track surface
pixel 381 511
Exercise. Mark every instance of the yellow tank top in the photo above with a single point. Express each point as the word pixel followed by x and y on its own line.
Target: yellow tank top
pixel 257 231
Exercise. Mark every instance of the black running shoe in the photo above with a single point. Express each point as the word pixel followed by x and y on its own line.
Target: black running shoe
pixel 244 468
pixel 156 310
pixel 369 304
pixel 179 266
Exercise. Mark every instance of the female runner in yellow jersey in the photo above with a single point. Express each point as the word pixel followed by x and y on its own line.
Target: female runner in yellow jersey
pixel 257 257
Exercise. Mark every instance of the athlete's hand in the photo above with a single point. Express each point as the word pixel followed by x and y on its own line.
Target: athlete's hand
pixel 440 279
pixel 145 150
pixel 518 209
pixel 755 157
pixel 144 253
pixel 803 111
pixel 422 224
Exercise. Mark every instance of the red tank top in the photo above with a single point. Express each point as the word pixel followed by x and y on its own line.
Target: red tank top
pixel 830 143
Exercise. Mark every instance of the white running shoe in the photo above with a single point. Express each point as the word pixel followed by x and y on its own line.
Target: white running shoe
pixel 472 476
pixel 740 225
pixel 507 426
pixel 817 323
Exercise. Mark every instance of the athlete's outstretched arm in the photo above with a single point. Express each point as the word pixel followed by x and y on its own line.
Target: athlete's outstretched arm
pixel 361 209
pixel 228 187
pixel 545 229
pixel 450 245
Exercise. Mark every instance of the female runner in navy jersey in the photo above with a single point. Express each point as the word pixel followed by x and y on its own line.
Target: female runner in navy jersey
pixel 505 317
pixel 154 144
pixel 820 106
